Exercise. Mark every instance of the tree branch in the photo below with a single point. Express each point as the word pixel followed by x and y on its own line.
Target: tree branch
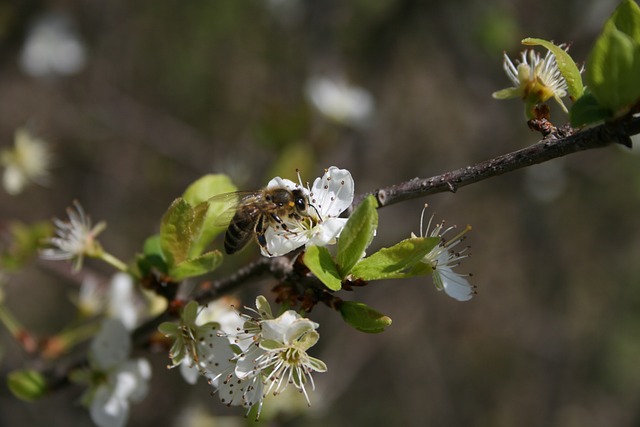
pixel 560 143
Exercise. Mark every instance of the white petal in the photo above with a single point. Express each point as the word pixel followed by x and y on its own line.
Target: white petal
pixel 107 410
pixel 246 365
pixel 121 300
pixel 214 350
pixel 91 296
pixel 236 392
pixel 111 345
pixel 333 193
pixel 276 329
pixel 455 285
pixel 280 243
pixel 278 182
pixel 13 180
pixel 189 371
pixel 326 233
pixel 135 375
pixel 300 327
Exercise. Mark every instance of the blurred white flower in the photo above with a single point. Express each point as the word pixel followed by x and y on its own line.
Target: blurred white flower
pixel 443 258
pixel 122 300
pixel 328 198
pixel 115 380
pixel 28 161
pixel 53 47
pixel 117 299
pixel 74 238
pixel 339 101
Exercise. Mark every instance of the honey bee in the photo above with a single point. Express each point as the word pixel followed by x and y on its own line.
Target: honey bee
pixel 257 211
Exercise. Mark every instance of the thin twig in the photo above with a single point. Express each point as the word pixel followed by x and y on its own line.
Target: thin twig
pixel 556 145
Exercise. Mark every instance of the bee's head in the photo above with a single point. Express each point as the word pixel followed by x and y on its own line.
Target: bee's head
pixel 300 201
pixel 303 207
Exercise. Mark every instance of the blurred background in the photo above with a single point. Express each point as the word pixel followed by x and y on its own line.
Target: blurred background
pixel 139 99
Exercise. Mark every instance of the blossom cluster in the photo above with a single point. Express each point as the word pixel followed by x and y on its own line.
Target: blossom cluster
pixel 243 363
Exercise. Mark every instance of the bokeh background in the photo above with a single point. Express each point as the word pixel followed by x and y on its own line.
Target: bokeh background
pixel 139 99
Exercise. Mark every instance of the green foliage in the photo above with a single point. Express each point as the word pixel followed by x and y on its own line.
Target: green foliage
pixel 399 261
pixel 613 68
pixel 196 266
pixel 152 257
pixel 357 235
pixel 566 65
pixel 180 229
pixel 27 385
pixel 364 318
pixel 321 264
pixel 587 110
pixel 200 192
pixel 187 228
pixel 626 18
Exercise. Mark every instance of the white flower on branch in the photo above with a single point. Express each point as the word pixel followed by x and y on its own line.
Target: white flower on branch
pixel 114 380
pixel 328 198
pixel 74 238
pixel 197 348
pixel 443 258
pixel 275 356
pixel 117 299
pixel 28 161
pixel 535 79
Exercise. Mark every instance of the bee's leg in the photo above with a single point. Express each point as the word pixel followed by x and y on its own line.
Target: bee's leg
pixel 260 230
pixel 279 220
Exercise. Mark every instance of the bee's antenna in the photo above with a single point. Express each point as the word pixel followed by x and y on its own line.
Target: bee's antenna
pixel 317 212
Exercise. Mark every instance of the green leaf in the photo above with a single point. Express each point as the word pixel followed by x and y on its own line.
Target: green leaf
pixel 321 264
pixel 27 385
pixel 363 317
pixel 397 261
pixel 176 235
pixel 199 193
pixel 566 65
pixel 203 264
pixel 626 18
pixel 357 235
pixel 206 187
pixel 151 257
pixel 586 110
pixel 612 71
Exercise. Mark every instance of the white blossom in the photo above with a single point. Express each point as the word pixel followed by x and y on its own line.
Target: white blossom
pixel 28 161
pixel 74 238
pixel 328 198
pixel 340 101
pixel 115 380
pixel 442 259
pixel 535 79
pixel 53 47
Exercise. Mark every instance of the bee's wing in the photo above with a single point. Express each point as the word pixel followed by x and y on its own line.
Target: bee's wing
pixel 225 206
